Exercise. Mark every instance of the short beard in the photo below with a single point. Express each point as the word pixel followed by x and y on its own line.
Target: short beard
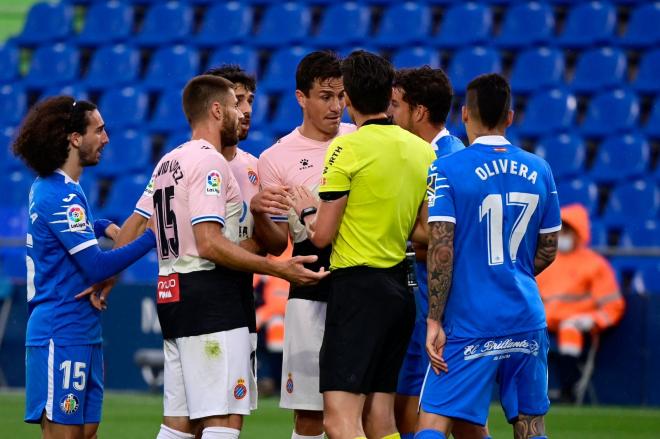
pixel 228 137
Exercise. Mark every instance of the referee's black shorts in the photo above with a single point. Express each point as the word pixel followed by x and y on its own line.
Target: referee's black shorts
pixel 369 321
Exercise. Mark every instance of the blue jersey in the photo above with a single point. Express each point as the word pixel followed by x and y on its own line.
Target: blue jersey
pixel 500 198
pixel 59 226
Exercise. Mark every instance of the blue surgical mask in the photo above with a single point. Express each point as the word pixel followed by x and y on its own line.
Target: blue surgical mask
pixel 565 243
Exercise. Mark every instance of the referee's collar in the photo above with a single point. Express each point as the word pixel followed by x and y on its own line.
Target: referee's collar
pixel 378 121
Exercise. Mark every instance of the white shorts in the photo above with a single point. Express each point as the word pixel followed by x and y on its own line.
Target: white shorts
pixel 209 375
pixel 304 325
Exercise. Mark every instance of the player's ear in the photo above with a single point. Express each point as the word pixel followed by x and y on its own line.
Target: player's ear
pixel 300 97
pixel 509 118
pixel 75 139
pixel 464 114
pixel 216 111
pixel 420 113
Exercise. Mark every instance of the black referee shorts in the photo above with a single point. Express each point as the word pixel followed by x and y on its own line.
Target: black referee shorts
pixel 369 321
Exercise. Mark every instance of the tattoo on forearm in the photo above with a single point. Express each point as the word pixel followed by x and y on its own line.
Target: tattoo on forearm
pixel 546 250
pixel 528 427
pixel 440 260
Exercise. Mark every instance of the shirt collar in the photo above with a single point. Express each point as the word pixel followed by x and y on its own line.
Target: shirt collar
pixel 67 179
pixel 491 140
pixel 444 132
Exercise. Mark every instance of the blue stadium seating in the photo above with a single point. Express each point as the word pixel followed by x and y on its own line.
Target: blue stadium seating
pixel 124 107
pixel 598 69
pixel 74 90
pixel 166 23
pixel 548 112
pixel 91 186
pixel 343 24
pixel 621 157
pixel 647 280
pixel 288 114
pixel 14 220
pixel 641 234
pixel 611 112
pixel 112 66
pixel 13 262
pixel 244 56
pixel 8 162
pixel 404 24
pixel 178 138
pixel 13 104
pixel 648 73
pixel 257 142
pixel 143 272
pixel 20 182
pixel 128 152
pixel 643 30
pixel 598 234
pixel 46 22
pixel 588 23
pixel 283 24
pixel 578 190
pixel 641 197
pixel 537 68
pixel 235 20
pixel 52 65
pixel 105 23
pixel 168 116
pixel 416 57
pixel 468 63
pixel 280 75
pixel 259 117
pixel 465 24
pixel 125 192
pixel 526 24
pixel 171 66
pixel 9 62
pixel 566 154
pixel 652 127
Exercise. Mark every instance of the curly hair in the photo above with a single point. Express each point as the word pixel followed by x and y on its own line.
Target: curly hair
pixel 235 74
pixel 428 87
pixel 368 81
pixel 42 141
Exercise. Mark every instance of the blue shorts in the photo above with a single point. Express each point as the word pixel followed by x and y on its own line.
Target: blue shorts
pixel 64 381
pixel 518 362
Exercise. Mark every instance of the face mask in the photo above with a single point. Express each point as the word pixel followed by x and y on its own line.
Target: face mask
pixel 565 243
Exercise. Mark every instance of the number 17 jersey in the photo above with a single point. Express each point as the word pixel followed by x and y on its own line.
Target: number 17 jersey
pixel 501 198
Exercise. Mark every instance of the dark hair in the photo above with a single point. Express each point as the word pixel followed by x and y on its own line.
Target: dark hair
pixel 200 92
pixel 42 140
pixel 317 66
pixel 235 74
pixel 428 87
pixel 368 81
pixel 489 96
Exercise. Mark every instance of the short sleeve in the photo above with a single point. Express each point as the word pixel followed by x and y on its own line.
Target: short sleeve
pixel 269 176
pixel 145 205
pixel 440 196
pixel 338 168
pixel 69 219
pixel 208 187
pixel 551 220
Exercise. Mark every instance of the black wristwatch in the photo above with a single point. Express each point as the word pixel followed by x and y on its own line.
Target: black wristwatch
pixel 307 211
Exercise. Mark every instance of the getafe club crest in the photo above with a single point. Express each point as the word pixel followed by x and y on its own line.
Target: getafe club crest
pixel 69 404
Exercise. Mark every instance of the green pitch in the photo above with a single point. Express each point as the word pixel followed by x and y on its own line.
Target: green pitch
pixel 137 416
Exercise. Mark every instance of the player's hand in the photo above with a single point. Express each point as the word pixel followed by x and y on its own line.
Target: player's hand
pixel 294 271
pixel 98 293
pixel 303 198
pixel 435 345
pixel 271 201
pixel 112 231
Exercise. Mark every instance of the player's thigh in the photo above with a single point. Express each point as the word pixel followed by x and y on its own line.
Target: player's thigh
pixel 405 412
pixel 175 405
pixel 52 430
pixel 466 430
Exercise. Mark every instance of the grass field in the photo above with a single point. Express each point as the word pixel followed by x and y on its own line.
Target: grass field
pixel 137 416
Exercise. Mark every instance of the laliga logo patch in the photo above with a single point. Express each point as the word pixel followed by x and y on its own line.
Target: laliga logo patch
pixel 252 176
pixel 289 384
pixel 240 390
pixel 75 215
pixel 149 190
pixel 69 404
pixel 213 183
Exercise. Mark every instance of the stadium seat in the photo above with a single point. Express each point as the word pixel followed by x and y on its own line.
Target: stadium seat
pixel 14 220
pixel 112 66
pixel 283 24
pixel 8 162
pixel 404 24
pixel 471 62
pixel 46 22
pixel 91 186
pixel 465 24
pixel 537 68
pixel 128 152
pixel 343 23
pixel 652 127
pixel 648 73
pixel 637 200
pixel 13 104
pixel 416 57
pixel 176 139
pixel 611 112
pixel 9 63
pixel 168 116
pixel 124 193
pixel 578 190
pixel 599 234
pixel 244 56
pixel 288 114
pixel 105 23
pixel 621 157
pixel 260 112
pixel 588 23
pixel 566 154
pixel 125 107
pixel 258 141
pixel 643 30
pixel 171 67
pixel 526 24
pixel 233 18
pixel 599 68
pixel 143 272
pixel 166 23
pixel 280 75
pixel 74 90
pixel 20 182
pixel 647 280
pixel 641 234
pixel 53 65
pixel 548 112
pixel 13 263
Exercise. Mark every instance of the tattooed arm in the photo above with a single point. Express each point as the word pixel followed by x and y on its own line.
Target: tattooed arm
pixel 546 251
pixel 440 264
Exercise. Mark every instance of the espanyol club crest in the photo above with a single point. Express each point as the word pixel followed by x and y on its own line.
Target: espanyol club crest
pixel 289 384
pixel 69 404
pixel 240 390
pixel 252 176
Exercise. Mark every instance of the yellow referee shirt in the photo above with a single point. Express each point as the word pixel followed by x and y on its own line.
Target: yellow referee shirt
pixel 383 169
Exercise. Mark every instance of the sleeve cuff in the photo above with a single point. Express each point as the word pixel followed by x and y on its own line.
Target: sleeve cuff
pixel 83 246
pixel 207 218
pixel 142 213
pixel 279 219
pixel 444 219
pixel 551 229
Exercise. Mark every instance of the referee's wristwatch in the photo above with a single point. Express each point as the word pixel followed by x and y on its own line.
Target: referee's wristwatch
pixel 307 211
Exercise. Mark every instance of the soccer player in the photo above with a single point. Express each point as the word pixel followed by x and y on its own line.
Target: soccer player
pixel 297 160
pixel 494 219
pixel 64 358
pixel 373 185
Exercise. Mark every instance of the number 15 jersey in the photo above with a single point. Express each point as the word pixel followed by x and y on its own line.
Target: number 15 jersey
pixel 501 198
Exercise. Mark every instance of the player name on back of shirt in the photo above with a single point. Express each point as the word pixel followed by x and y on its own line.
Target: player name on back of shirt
pixel 505 166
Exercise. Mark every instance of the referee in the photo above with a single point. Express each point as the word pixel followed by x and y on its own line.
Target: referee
pixel 373 184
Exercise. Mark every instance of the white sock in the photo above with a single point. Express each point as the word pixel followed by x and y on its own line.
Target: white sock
pixel 170 433
pixel 220 433
pixel 295 435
